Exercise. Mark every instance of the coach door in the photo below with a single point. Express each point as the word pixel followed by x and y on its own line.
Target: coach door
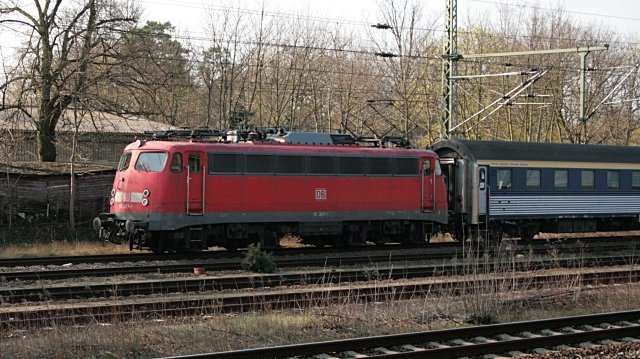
pixel 195 183
pixel 483 190
pixel 428 188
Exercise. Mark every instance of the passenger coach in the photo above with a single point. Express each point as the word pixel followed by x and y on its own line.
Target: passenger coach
pixel 524 188
pixel 183 195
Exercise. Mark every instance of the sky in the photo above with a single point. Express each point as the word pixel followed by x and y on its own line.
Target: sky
pixel 190 16
pixel 622 16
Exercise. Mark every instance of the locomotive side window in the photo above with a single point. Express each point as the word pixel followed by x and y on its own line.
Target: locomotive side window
pixel 613 180
pixel 405 167
pixel 560 179
pixel 224 163
pixel 533 179
pixel 380 166
pixel 151 161
pixel 587 180
pixel 635 180
pixel 321 165
pixel 351 165
pixel 125 159
pixel 503 179
pixel 290 164
pixel 260 164
pixel 176 163
pixel 194 162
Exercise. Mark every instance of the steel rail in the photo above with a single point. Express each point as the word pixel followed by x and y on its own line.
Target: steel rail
pixel 284 262
pixel 141 257
pixel 591 243
pixel 268 299
pixel 508 337
pixel 46 292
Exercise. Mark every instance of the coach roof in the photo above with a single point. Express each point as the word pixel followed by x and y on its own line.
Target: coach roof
pixel 535 151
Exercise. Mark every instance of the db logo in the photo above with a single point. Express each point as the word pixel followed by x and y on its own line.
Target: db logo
pixel 321 194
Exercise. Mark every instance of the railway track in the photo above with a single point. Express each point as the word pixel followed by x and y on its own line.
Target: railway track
pixel 46 292
pixel 590 243
pixel 229 261
pixel 510 338
pixel 215 255
pixel 53 314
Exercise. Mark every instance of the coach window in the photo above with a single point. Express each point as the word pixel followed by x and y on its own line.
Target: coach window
pixel 560 179
pixel 503 179
pixel 151 161
pixel 587 180
pixel 260 164
pixel 194 162
pixel 176 163
pixel 613 180
pixel 290 164
pixel 321 165
pixel 533 179
pixel 125 159
pixel 635 180
pixel 351 165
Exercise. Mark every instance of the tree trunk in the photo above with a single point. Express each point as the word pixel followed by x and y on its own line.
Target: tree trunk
pixel 46 147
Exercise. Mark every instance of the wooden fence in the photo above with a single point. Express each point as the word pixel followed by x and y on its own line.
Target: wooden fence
pixel 41 191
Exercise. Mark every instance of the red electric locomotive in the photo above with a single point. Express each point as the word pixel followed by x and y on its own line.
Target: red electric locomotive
pixel 177 196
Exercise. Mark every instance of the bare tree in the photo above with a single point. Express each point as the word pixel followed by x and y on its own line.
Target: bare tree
pixel 70 49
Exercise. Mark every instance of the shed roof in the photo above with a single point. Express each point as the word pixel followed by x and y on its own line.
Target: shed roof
pixel 54 168
pixel 535 151
pixel 94 121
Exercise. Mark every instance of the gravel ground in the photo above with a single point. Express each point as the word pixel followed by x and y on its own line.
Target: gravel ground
pixel 621 350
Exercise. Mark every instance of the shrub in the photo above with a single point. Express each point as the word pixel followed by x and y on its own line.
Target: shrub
pixel 257 260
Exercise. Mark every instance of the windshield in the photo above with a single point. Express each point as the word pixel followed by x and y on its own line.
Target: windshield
pixel 125 159
pixel 151 161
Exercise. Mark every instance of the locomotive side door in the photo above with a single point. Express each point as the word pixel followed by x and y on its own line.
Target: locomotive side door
pixel 428 187
pixel 195 183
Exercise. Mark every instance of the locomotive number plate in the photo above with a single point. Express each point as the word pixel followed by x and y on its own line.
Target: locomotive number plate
pixel 321 194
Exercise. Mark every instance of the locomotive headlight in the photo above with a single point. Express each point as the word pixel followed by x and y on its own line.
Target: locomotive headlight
pixel 113 192
pixel 146 193
pixel 112 201
pixel 145 202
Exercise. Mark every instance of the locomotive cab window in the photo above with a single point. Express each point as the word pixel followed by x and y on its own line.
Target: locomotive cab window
pixel 635 179
pixel 194 162
pixel 533 179
pixel 560 179
pixel 151 161
pixel 426 167
pixel 176 163
pixel 125 160
pixel 613 180
pixel 587 180
pixel 503 179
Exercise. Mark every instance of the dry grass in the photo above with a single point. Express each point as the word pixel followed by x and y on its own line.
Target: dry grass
pixel 501 300
pixel 62 248
pixel 291 241
pixel 145 339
